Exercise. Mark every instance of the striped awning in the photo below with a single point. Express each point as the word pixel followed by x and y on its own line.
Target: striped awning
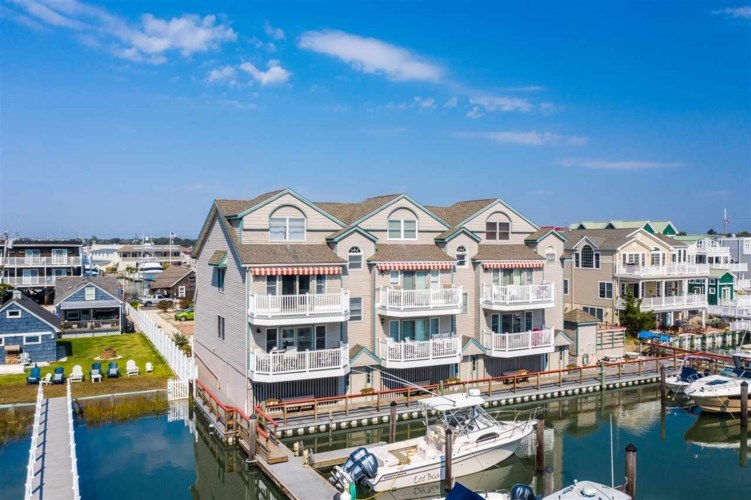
pixel 285 271
pixel 413 266
pixel 512 264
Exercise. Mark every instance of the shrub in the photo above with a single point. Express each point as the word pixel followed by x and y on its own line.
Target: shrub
pixel 185 303
pixel 181 340
pixel 134 304
pixel 367 390
pixel 163 305
pixel 452 380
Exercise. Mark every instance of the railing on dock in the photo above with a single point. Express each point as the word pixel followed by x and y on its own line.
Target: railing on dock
pixel 29 490
pixel 72 442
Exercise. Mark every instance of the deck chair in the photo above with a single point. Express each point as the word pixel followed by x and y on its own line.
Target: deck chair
pixel 96 372
pixel 112 370
pixel 59 376
pixel 149 367
pixel 34 376
pixel 47 379
pixel 131 368
pixel 77 374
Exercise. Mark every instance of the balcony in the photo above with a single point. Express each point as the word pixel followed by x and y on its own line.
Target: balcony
pixel 741 267
pixel 670 303
pixel 711 248
pixel 278 310
pixel 72 327
pixel 416 303
pixel 21 281
pixel 518 297
pixel 743 283
pixel 293 365
pixel 38 261
pixel 513 345
pixel 440 350
pixel 669 271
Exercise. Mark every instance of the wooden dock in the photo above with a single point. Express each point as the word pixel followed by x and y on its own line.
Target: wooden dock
pixel 53 476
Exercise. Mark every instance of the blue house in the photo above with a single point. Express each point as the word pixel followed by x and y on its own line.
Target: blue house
pixel 28 332
pixel 89 306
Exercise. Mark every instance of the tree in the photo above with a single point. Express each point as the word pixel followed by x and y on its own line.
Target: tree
pixel 633 318
pixel 711 231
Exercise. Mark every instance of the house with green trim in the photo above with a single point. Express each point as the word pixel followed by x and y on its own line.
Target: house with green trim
pixel 652 227
pixel 720 287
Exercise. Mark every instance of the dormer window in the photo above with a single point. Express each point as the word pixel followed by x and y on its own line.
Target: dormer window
pixel 550 255
pixel 354 258
pixel 287 224
pixel 402 225
pixel 587 258
pixel 461 256
pixel 498 227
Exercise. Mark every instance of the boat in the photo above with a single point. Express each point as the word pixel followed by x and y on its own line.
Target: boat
pixel 587 489
pixel 479 442
pixel 690 372
pixel 721 393
pixel 148 271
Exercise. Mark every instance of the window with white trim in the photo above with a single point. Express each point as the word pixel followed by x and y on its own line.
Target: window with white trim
pixel 565 286
pixel 587 258
pixel 461 256
pixel 605 289
pixel 220 327
pixel 287 229
pixel 597 312
pixel 746 246
pixel 435 279
pixel 465 303
pixel 90 293
pixel 355 308
pixel 354 259
pixel 181 292
pixel 13 314
pixel 320 284
pixel 402 229
pixel 711 290
pixel 550 255
pixel 394 278
pixel 497 231
pixel 32 340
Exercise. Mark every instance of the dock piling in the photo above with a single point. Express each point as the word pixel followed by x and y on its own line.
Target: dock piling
pixel 392 423
pixel 631 471
pixel 663 387
pixel 744 404
pixel 252 438
pixel 447 461
pixel 602 375
pixel 548 488
pixel 540 465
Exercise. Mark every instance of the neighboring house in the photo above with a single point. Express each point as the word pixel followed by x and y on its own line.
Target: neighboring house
pixel 604 265
pixel 704 249
pixel 719 290
pixel 740 252
pixel 298 298
pixel 34 265
pixel 89 306
pixel 28 332
pixel 132 255
pixel 176 282
pixel 653 227
pixel 591 340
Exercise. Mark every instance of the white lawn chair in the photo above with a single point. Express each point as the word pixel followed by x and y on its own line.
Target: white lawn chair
pixel 149 367
pixel 131 368
pixel 47 379
pixel 77 374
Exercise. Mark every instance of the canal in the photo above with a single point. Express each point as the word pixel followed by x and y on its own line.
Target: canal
pixel 681 453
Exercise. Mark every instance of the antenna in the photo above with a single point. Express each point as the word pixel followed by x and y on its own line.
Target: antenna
pixel 612 473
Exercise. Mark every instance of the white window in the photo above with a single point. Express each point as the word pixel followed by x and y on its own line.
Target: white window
pixel 394 278
pixel 497 231
pixel 32 339
pixel 565 286
pixel 711 291
pixel 587 258
pixel 220 327
pixel 13 314
pixel 435 279
pixel 550 255
pixel 320 284
pixel 90 293
pixel 355 308
pixel 181 292
pixel 465 303
pixel 287 229
pixel 354 258
pixel 402 229
pixel 461 256
pixel 597 312
pixel 605 290
pixel 746 246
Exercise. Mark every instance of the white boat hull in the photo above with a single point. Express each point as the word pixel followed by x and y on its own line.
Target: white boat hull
pixel 675 385
pixel 717 403
pixel 424 472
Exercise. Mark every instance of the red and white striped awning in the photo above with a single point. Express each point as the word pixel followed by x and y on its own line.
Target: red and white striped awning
pixel 512 264
pixel 285 271
pixel 413 266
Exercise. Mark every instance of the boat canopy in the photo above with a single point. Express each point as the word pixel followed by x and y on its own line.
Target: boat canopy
pixel 451 402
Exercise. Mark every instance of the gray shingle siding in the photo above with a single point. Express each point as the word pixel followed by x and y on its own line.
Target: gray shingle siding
pixel 27 324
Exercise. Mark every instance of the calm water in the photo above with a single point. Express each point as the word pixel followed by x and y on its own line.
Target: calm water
pixel 680 454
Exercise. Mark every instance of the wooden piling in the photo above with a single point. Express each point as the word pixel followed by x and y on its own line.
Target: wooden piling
pixel 744 404
pixel 548 482
pixel 631 471
pixel 602 375
pixel 663 387
pixel 392 423
pixel 447 461
pixel 252 438
pixel 540 465
pixel 744 447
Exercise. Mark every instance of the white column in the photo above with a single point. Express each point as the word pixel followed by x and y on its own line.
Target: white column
pixel 703 318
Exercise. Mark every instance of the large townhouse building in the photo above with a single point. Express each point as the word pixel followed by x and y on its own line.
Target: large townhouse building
pixel 298 298
pixel 33 266
pixel 604 265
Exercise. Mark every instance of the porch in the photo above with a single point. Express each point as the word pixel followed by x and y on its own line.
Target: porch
pixel 670 270
pixel 277 310
pixel 509 345
pixel 517 297
pixel 283 365
pixel 79 318
pixel 400 303
pixel 439 350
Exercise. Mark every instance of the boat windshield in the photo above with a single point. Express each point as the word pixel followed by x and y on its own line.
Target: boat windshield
pixel 466 420
pixel 736 373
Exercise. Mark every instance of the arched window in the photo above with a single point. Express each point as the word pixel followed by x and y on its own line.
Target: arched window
pixel 402 225
pixel 461 256
pixel 354 258
pixel 588 258
pixel 287 224
pixel 498 227
pixel 550 255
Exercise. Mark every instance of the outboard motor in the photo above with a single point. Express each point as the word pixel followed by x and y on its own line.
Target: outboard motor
pixel 360 464
pixel 522 492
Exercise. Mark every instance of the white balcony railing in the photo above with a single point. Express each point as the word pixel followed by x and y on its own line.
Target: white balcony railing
pixel 29 280
pixel 99 324
pixel 298 365
pixel 740 267
pixel 711 247
pixel 298 309
pixel 509 345
pixel 741 325
pixel 40 261
pixel 690 301
pixel 407 303
pixel 743 283
pixel 637 271
pixel 510 297
pixel 736 312
pixel 441 349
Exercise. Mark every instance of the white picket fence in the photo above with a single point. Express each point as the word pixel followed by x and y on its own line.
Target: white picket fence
pixel 183 366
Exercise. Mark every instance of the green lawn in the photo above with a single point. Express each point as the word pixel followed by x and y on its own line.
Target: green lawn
pixel 82 351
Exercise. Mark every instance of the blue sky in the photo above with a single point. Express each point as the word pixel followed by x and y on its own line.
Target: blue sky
pixel 128 117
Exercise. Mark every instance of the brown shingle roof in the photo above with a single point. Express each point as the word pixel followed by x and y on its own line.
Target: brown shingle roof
pixel 68 285
pixel 506 252
pixel 287 254
pixel 170 276
pixel 460 210
pixel 579 316
pixel 216 257
pixel 611 239
pixel 409 253
pixel 542 232
pixel 350 212
pixel 234 207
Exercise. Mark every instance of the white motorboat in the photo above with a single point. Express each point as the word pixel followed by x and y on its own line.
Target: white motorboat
pixel 148 271
pixel 478 443
pixel 721 393
pixel 587 489
pixel 691 370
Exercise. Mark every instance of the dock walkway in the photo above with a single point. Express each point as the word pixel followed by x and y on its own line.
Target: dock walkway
pixel 53 476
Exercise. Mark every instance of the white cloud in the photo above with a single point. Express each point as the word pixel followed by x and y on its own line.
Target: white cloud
pixel 231 103
pixel 424 102
pixel 271 32
pixel 475 113
pixel 372 56
pixel 224 74
pixel 532 138
pixel 548 108
pixel 150 40
pixel 451 103
pixel 619 164
pixel 274 75
pixel 740 12
pixel 501 103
